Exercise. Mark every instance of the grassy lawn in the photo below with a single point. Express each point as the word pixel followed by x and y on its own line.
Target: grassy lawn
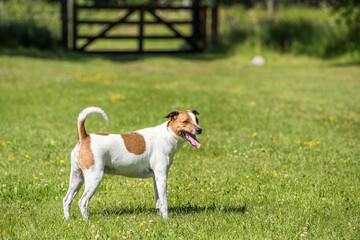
pixel 279 157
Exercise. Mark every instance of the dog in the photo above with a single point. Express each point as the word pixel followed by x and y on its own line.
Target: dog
pixel 145 153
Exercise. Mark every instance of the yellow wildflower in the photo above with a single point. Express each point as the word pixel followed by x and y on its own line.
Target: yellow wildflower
pixel 61 161
pixel 275 174
pixel 254 134
pixel 36 178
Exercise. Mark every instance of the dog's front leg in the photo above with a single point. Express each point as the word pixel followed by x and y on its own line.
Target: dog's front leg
pixel 161 185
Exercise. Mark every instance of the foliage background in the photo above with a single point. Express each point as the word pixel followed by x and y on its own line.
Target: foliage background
pixel 314 28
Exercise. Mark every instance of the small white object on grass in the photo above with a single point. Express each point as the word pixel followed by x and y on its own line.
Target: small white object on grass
pixel 258 61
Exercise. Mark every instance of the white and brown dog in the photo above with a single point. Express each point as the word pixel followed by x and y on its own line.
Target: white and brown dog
pixel 144 153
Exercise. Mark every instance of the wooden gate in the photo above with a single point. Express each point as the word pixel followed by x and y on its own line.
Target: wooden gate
pixel 193 42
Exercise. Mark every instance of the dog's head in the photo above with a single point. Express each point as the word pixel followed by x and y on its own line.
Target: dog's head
pixel 186 125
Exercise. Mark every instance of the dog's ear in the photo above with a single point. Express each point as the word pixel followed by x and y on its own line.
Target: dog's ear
pixel 173 115
pixel 195 112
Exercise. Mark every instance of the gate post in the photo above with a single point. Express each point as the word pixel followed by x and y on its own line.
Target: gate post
pixel 214 22
pixel 64 23
pixel 74 23
pixel 196 19
pixel 141 29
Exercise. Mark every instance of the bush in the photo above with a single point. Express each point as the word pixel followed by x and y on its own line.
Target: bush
pixel 307 31
pixel 26 23
pixel 14 35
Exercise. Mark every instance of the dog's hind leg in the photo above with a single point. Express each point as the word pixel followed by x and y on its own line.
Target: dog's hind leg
pixel 76 181
pixel 157 201
pixel 93 179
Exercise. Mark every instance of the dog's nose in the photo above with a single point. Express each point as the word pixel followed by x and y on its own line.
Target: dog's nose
pixel 198 130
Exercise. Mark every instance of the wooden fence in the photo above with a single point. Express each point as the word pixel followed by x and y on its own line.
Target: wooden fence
pixel 194 42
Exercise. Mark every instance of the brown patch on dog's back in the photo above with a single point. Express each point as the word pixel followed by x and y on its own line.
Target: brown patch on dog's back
pixel 85 156
pixel 102 134
pixel 134 143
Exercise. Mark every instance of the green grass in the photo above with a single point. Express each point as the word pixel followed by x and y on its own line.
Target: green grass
pixel 279 156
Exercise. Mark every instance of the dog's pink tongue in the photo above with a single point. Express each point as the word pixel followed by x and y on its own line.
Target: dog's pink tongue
pixel 192 140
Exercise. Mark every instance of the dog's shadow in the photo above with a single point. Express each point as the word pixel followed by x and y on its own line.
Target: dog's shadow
pixel 177 210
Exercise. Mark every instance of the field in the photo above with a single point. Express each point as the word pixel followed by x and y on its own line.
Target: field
pixel 279 156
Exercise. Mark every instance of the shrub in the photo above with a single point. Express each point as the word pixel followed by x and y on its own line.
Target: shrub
pixel 14 35
pixel 307 31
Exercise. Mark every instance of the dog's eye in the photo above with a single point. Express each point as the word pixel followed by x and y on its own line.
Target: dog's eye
pixel 197 121
pixel 186 122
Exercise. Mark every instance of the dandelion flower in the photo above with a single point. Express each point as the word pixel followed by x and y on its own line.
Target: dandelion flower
pixel 36 178
pixel 247 177
pixel 61 161
pixel 254 134
pixel 275 174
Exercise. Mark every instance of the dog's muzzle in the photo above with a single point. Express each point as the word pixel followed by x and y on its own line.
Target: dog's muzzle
pixel 198 130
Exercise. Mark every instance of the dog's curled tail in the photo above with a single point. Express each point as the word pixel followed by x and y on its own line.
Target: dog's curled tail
pixel 83 115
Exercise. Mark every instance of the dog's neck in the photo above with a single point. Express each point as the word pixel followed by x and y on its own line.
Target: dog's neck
pixel 174 140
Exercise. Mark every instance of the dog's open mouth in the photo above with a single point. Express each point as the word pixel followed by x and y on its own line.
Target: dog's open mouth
pixel 191 139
